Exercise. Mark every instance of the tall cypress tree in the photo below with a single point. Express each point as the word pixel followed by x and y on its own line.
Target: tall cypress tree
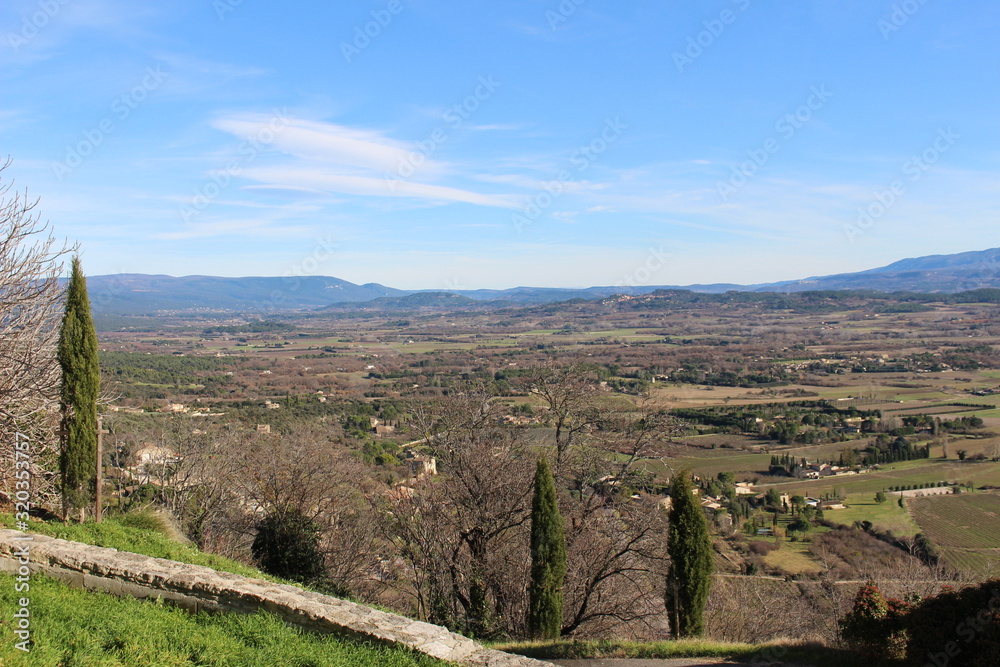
pixel 690 550
pixel 81 380
pixel 548 557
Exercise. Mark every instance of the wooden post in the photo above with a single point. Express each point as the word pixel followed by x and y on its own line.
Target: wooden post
pixel 62 487
pixel 100 471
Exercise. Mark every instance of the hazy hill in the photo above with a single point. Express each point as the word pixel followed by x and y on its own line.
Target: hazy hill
pixel 413 301
pixel 139 293
pixel 134 293
pixel 932 273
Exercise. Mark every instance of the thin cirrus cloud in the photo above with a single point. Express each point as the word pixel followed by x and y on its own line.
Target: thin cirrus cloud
pixel 317 179
pixel 334 158
pixel 324 142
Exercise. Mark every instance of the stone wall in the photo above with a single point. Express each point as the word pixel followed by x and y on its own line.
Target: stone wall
pixel 203 589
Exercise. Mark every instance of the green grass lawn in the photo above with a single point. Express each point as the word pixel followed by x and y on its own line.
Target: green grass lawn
pixel 75 627
pixel 794 557
pixel 884 516
pixel 142 533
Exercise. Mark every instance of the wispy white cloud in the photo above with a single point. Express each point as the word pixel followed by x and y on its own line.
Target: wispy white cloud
pixel 332 158
pixel 11 119
pixel 39 31
pixel 190 75
pixel 229 227
pixel 325 142
pixel 293 191
pixel 317 179
pixel 210 68
pixel 498 127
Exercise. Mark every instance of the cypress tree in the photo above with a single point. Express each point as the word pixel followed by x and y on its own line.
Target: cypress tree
pixel 548 557
pixel 81 380
pixel 690 550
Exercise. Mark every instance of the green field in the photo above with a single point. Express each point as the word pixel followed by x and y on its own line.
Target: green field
pixel 793 558
pixel 899 474
pixel 965 521
pixel 966 527
pixel 981 563
pixel 887 516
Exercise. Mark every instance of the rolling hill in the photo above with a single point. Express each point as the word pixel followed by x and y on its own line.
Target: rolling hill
pixel 131 294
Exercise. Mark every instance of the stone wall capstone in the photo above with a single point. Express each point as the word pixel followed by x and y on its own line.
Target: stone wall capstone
pixel 200 588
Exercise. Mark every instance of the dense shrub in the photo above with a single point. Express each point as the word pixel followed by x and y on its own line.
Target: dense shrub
pixel 761 548
pixel 287 546
pixel 956 628
pixel 875 625
pixel 800 525
pixel 849 551
pixel 952 629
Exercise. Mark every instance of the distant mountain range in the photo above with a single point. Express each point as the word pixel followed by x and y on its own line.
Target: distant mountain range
pixel 132 293
pixel 933 273
pixel 137 293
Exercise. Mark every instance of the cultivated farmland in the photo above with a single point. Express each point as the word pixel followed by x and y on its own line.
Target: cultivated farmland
pixel 966 527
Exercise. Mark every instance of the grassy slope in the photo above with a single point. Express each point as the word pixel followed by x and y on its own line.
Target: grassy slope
pixel 73 627
pixel 141 533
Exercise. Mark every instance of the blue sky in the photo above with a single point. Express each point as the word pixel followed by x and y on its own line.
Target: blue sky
pixel 450 145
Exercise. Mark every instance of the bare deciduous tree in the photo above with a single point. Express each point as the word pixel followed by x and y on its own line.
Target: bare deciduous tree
pixel 463 536
pixel 31 260
pixel 754 609
pixel 617 565
pixel 631 436
pixel 569 394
